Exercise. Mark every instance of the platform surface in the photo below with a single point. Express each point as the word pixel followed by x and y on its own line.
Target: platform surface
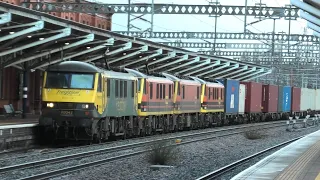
pixel 299 160
pixel 18 121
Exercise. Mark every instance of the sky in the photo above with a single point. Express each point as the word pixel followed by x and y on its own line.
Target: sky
pixel 204 23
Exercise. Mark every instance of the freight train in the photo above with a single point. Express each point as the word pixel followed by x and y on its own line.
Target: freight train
pixel 81 101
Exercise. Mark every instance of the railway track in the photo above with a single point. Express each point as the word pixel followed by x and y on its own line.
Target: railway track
pixel 226 169
pixel 65 150
pixel 69 169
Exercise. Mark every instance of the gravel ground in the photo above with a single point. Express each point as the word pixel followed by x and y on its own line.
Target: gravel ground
pixel 194 160
pixel 35 155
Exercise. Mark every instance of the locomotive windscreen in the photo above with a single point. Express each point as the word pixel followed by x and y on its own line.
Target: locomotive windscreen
pixel 70 80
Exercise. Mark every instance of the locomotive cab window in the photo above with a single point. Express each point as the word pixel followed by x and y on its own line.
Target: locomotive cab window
pixel 99 84
pixel 61 80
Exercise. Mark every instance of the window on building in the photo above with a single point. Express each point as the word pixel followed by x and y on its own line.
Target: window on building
pixel 99 26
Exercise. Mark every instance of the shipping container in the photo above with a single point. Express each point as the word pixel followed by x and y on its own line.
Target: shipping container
pixel 270 98
pixel 242 98
pixel 307 99
pixel 295 99
pixel 231 92
pixel 284 99
pixel 253 97
pixel 317 100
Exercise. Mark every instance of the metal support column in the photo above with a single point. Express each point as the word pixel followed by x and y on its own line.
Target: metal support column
pixel 273 32
pixel 215 29
pixel 289 33
pixel 25 91
pixel 245 17
pixel 152 16
pixel 129 14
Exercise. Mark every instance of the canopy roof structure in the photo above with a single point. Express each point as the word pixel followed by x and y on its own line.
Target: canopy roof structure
pixel 40 39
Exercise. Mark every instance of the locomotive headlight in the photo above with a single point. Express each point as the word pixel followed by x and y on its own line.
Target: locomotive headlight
pixel 50 105
pixel 85 106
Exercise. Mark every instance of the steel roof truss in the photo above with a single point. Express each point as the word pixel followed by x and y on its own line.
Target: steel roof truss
pixel 237 71
pixel 197 59
pixel 218 62
pixel 140 50
pixel 316 34
pixel 157 53
pixel 217 75
pixel 313 27
pixel 243 73
pixel 214 69
pixel 43 64
pixel 35 26
pixel 169 56
pixel 88 38
pixel 93 58
pixel 252 75
pixel 124 47
pixel 262 74
pixel 202 63
pixel 64 32
pixel 5 18
pixel 182 58
pixel 309 17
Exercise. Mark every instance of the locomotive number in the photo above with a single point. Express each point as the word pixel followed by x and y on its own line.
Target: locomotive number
pixel 66 113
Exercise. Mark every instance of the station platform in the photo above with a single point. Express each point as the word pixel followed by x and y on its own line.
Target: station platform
pixel 299 160
pixel 9 121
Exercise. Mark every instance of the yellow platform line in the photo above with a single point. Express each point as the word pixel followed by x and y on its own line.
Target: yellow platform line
pixel 318 177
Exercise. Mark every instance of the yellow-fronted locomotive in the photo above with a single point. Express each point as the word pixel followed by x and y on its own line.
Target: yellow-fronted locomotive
pixel 82 101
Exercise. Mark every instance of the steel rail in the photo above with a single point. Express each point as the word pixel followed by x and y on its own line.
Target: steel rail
pixel 228 168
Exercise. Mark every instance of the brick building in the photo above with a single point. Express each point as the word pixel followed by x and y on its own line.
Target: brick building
pixel 10 78
pixel 96 20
